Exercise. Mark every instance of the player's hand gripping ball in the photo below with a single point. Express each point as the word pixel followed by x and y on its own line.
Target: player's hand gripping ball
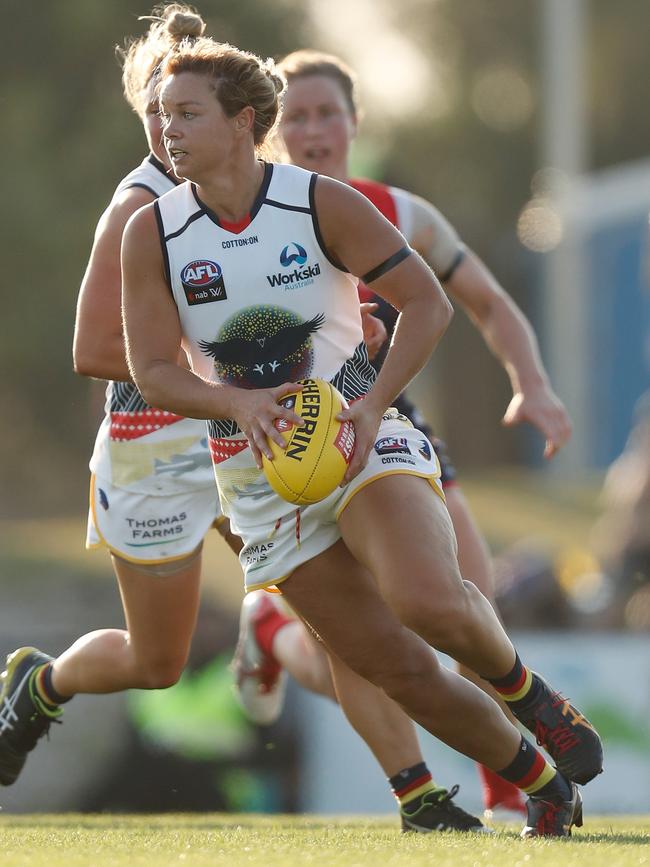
pixel 317 454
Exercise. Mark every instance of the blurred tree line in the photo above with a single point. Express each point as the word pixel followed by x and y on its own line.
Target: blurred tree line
pixel 71 138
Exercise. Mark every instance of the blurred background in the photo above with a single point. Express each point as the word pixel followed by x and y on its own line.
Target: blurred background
pixel 526 123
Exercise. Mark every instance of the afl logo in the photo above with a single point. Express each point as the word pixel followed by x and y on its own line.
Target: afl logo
pixel 202 281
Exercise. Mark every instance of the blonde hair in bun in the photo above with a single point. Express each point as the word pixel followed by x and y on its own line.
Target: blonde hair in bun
pixel 141 56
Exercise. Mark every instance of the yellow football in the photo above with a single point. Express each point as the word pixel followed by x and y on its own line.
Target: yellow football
pixel 317 454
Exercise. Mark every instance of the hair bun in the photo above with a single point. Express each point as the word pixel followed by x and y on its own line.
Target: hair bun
pixel 275 76
pixel 278 82
pixel 180 24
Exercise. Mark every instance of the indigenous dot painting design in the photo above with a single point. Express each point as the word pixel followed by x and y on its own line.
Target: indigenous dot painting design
pixel 263 346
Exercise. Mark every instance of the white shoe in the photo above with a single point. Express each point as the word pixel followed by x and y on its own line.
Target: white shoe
pixel 260 681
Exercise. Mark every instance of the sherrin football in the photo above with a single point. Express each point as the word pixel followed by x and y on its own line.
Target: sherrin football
pixel 317 454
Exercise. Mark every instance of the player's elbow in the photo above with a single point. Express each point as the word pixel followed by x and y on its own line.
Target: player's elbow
pixel 84 360
pixel 444 312
pixel 147 387
pixel 149 383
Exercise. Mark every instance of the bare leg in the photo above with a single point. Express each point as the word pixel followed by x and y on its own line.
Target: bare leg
pixel 356 624
pixel 452 615
pixel 299 653
pixel 475 564
pixel 151 653
pixel 383 725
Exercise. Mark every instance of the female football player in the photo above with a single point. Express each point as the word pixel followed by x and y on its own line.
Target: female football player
pixel 153 495
pixel 318 126
pixel 377 600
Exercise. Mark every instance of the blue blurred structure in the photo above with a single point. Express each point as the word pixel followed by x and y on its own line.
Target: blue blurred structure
pixel 596 309
pixel 619 325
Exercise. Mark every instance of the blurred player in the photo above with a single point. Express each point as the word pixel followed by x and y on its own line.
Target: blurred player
pixel 152 496
pixel 318 125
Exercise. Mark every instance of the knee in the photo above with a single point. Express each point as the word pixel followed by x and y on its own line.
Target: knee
pixel 159 673
pixel 439 619
pixel 410 669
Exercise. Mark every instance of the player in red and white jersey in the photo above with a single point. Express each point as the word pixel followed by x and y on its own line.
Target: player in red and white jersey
pixel 368 595
pixel 318 126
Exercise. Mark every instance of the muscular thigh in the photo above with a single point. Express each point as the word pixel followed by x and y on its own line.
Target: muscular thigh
pixel 339 599
pixel 401 531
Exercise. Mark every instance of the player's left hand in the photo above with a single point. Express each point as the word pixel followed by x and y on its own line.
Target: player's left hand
pixel 366 419
pixel 542 408
pixel 374 330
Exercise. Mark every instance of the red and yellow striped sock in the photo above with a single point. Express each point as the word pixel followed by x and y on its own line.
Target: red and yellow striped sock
pixel 411 784
pixel 44 688
pixel 516 686
pixel 531 773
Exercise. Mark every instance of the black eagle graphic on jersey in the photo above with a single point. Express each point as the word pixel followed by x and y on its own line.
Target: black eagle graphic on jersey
pixel 266 358
pixel 247 351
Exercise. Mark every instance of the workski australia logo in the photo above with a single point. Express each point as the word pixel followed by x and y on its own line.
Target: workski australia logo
pixel 298 277
pixel 293 253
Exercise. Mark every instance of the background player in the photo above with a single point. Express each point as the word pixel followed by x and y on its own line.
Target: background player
pixel 152 497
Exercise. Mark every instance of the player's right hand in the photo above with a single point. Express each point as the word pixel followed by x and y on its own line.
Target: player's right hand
pixel 255 411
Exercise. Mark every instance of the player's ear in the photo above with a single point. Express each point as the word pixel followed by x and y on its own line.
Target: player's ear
pixel 245 119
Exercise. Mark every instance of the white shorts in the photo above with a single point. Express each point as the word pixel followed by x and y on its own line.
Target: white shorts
pixel 278 537
pixel 145 529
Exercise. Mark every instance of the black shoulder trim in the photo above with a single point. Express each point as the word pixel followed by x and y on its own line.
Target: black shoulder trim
pixel 195 216
pixel 142 187
pixel 168 173
pixel 387 264
pixel 317 232
pixel 163 245
pixel 260 199
pixel 284 207
pixel 458 258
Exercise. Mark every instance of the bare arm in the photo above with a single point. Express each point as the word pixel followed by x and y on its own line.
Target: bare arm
pixel 153 343
pixel 510 336
pixel 502 324
pixel 361 238
pixel 98 347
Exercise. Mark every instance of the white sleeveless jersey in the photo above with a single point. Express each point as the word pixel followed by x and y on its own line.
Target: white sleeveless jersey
pixel 140 448
pixel 260 303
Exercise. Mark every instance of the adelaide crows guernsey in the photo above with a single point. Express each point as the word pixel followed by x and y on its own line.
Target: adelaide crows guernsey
pixel 138 447
pixel 260 303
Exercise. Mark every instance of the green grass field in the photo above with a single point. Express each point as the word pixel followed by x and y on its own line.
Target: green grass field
pixel 281 841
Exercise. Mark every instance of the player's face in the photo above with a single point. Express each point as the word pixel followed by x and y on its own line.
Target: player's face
pixel 153 125
pixel 317 125
pixel 198 136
